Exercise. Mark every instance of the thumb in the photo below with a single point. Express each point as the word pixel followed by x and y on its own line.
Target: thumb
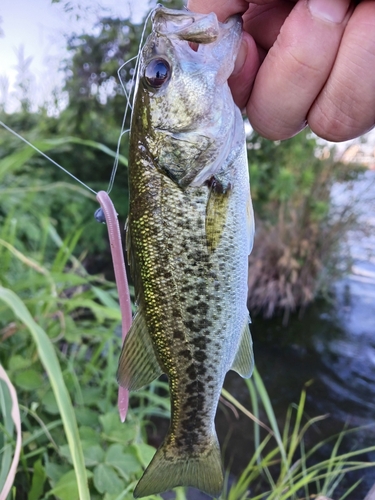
pixel 245 69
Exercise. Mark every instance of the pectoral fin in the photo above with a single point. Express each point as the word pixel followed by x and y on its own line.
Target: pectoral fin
pixel 243 362
pixel 216 216
pixel 138 365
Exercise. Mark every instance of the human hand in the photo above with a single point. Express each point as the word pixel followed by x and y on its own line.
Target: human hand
pixel 303 62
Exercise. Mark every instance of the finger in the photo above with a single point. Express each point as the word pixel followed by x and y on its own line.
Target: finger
pixel 346 107
pixel 297 67
pixel 245 70
pixel 222 8
pixel 264 22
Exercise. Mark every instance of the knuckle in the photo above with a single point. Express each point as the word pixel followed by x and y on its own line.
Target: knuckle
pixel 304 66
pixel 337 123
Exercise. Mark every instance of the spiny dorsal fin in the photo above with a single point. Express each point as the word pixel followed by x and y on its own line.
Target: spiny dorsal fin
pixel 243 362
pixel 138 365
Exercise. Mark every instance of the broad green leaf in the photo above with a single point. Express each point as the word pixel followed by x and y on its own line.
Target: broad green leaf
pixel 38 480
pixel 144 452
pixel 49 403
pixel 85 416
pixel 65 452
pixel 106 480
pixel 126 463
pixel 91 395
pixel 28 379
pixel 18 362
pixel 93 454
pixel 117 431
pixel 55 471
pixel 66 487
pixel 73 334
pixel 88 435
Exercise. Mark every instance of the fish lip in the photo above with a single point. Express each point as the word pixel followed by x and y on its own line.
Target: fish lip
pixel 192 26
pixel 186 25
pixel 162 15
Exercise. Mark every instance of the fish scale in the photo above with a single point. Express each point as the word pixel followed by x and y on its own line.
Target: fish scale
pixel 189 233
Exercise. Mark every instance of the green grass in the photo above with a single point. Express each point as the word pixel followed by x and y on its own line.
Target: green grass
pixel 281 467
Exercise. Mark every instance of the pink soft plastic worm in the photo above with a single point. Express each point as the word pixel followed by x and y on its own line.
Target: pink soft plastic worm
pixel 121 282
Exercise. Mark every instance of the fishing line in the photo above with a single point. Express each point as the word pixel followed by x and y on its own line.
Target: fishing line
pixel 47 157
pixel 122 83
pixel 122 132
pixel 136 68
pixel 128 98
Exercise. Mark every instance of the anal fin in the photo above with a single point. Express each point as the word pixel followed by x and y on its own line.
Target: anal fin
pixel 138 365
pixel 243 362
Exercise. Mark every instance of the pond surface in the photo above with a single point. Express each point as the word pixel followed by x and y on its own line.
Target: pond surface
pixel 332 344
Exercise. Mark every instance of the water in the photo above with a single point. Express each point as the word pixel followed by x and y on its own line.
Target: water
pixel 332 345
pixel 349 360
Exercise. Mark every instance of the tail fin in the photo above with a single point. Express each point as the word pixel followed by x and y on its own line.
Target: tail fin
pixel 170 468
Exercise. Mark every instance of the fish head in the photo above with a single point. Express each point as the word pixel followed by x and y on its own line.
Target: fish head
pixel 183 105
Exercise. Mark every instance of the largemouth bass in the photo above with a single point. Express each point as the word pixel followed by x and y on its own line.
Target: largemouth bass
pixel 190 230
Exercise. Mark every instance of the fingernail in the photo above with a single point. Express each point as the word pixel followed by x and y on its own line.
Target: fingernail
pixel 241 58
pixel 329 10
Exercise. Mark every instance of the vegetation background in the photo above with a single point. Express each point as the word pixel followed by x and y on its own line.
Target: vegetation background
pixel 59 319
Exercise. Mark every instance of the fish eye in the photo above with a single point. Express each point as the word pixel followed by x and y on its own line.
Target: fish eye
pixel 157 72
